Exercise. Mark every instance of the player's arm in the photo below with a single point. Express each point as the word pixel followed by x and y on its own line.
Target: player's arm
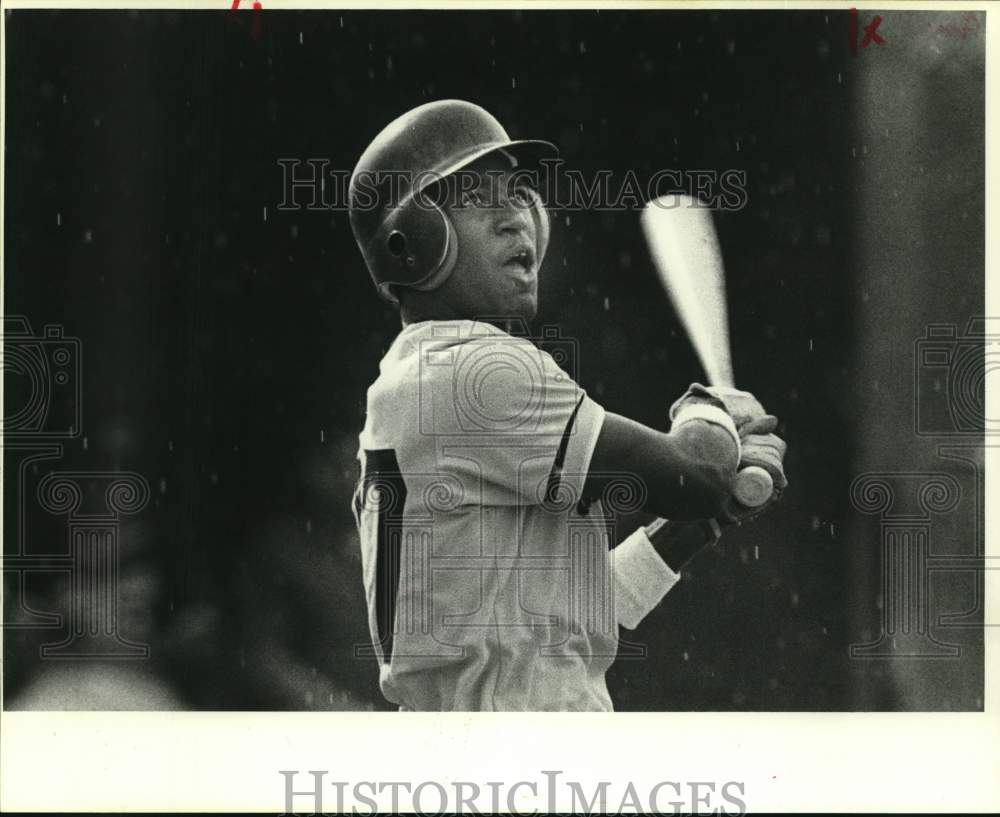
pixel 647 563
pixel 687 473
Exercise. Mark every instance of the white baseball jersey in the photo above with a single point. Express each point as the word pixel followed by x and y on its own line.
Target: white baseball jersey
pixel 489 581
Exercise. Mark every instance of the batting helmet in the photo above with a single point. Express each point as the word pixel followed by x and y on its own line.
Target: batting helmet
pixel 407 240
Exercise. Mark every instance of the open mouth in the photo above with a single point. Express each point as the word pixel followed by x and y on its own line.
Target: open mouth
pixel 523 260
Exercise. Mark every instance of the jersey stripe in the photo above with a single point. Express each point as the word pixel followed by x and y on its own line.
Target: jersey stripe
pixel 383 483
pixel 557 465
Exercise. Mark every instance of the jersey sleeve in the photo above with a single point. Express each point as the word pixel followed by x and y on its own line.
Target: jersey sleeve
pixel 509 424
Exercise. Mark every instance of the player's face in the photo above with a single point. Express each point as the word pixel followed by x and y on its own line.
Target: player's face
pixel 496 272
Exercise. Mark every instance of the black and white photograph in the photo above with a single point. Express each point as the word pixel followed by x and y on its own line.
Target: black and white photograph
pixel 522 359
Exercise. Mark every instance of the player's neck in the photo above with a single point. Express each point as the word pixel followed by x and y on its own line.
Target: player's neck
pixel 510 326
pixel 416 309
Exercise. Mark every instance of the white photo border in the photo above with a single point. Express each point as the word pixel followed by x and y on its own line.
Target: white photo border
pixel 793 762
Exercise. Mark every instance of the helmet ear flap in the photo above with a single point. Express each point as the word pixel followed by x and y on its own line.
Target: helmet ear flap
pixel 542 229
pixel 410 247
pixel 415 244
pixel 449 257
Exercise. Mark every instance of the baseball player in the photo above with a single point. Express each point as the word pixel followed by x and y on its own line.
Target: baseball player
pixel 489 478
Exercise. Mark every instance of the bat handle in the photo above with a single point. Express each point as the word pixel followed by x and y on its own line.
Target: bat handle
pixel 753 486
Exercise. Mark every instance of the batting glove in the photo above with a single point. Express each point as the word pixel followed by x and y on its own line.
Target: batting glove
pixel 741 406
pixel 760 446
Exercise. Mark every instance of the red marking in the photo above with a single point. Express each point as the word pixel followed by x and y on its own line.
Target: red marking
pixel 257 6
pixel 970 25
pixel 871 34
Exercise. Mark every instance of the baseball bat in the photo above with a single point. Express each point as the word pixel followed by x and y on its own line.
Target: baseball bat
pixel 688 262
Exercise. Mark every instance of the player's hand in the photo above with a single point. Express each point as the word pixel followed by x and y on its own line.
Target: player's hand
pixel 742 406
pixel 765 449
pixel 760 446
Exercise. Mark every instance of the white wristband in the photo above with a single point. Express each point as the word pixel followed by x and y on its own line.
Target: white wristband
pixel 710 414
pixel 641 578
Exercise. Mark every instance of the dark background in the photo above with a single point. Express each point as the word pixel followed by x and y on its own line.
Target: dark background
pixel 227 345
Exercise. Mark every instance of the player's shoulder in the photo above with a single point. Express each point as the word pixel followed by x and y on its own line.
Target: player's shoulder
pixel 467 360
pixel 478 349
pixel 432 349
pixel 422 354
